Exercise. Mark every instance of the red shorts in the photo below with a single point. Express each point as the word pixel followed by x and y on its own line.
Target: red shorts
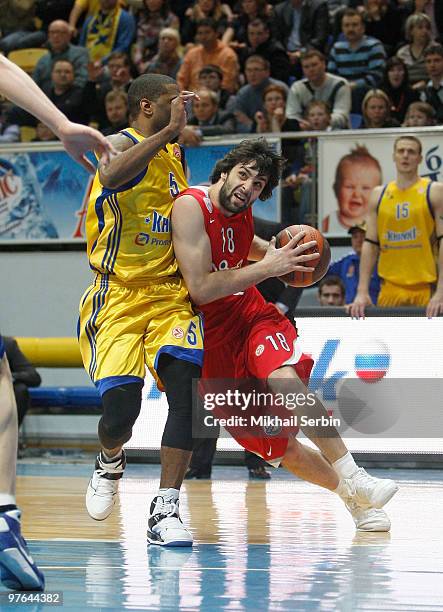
pixel 268 343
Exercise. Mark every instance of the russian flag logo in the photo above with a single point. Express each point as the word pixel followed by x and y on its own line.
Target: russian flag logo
pixel 372 362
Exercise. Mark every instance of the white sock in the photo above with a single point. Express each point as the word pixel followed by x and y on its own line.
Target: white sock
pixel 169 494
pixel 345 466
pixel 6 499
pixel 111 459
pixel 341 490
pixel 165 496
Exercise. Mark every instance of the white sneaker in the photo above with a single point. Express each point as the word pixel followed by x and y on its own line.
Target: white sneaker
pixel 368 491
pixel 368 519
pixel 103 486
pixel 165 527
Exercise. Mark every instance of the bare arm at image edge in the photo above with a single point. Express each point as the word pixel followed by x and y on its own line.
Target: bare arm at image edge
pixel 77 139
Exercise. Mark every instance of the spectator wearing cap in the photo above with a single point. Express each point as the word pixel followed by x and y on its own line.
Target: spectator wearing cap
pixel 347 268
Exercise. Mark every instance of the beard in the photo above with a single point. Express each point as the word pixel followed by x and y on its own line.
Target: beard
pixel 224 198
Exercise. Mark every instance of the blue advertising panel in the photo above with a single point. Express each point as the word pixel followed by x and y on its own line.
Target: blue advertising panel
pixel 41 197
pixel 44 194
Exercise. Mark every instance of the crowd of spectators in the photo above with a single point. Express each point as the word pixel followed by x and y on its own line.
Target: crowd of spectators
pixel 259 66
pixel 374 63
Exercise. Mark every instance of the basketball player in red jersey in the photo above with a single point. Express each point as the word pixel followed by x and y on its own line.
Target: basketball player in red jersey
pixel 246 337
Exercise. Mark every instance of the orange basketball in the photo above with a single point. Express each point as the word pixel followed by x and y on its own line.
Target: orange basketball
pixel 305 279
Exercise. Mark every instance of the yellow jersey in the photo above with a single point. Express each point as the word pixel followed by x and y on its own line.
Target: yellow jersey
pixel 406 227
pixel 93 6
pixel 128 229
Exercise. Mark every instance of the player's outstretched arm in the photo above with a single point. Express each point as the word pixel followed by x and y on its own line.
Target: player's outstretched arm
pixel 368 259
pixel 435 306
pixel 128 164
pixel 193 252
pixel 77 139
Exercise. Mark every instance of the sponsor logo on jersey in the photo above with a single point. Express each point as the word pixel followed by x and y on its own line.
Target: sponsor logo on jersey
pixel 178 333
pixel 259 350
pixel 409 234
pixel 272 430
pixel 208 204
pixel 142 239
pixel 160 224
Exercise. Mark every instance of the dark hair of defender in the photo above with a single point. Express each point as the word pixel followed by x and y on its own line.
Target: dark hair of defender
pixel 149 86
pixel 258 152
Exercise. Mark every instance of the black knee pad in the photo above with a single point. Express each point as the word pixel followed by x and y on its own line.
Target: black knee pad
pixel 22 399
pixel 176 376
pixel 121 407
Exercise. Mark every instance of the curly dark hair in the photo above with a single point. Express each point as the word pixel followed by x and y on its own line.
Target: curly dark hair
pixel 259 152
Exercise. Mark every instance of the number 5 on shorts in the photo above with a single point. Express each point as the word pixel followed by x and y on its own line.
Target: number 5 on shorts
pixel 192 336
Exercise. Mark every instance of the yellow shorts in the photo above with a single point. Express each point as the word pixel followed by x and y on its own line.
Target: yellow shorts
pixel 123 328
pixel 392 295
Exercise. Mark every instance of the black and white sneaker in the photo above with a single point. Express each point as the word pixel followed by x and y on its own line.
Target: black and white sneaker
pixel 103 486
pixel 165 527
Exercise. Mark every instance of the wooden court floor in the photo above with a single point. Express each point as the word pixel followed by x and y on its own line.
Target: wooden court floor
pixel 280 545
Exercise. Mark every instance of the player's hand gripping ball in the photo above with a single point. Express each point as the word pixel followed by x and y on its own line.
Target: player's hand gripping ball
pixel 305 279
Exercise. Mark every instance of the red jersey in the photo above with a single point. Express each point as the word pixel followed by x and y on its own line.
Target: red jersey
pixel 231 239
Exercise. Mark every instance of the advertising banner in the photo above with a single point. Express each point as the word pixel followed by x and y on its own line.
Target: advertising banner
pixel 44 194
pixel 381 378
pixel 351 166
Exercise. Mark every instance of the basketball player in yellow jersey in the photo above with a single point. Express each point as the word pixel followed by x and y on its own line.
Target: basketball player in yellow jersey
pixel 137 311
pixel 404 223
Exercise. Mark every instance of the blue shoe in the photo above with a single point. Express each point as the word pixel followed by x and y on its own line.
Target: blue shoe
pixel 17 568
